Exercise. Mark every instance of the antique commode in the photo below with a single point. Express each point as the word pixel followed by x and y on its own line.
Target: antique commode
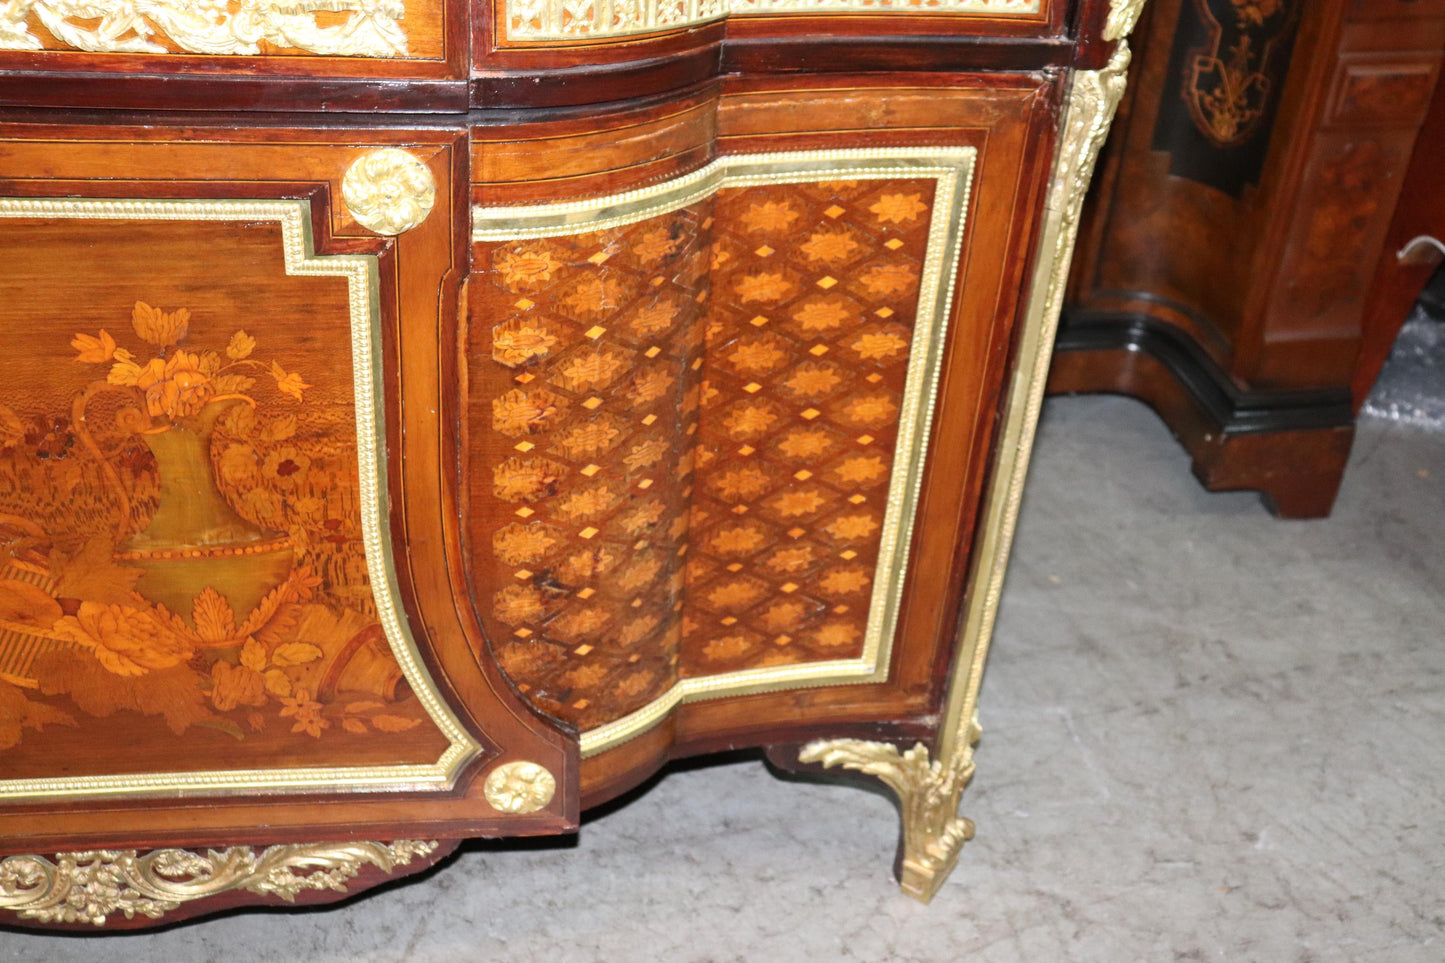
pixel 422 421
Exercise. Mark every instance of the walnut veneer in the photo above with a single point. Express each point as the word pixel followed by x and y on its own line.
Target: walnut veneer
pixel 1229 259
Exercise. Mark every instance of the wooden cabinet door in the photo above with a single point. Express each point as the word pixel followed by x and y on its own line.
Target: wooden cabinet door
pixel 230 582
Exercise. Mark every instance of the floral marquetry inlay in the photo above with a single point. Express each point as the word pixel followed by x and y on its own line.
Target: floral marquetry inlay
pixel 188 548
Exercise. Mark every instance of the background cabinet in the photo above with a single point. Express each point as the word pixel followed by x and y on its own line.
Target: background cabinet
pixel 1230 253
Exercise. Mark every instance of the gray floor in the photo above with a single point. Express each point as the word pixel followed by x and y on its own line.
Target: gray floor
pixel 1209 735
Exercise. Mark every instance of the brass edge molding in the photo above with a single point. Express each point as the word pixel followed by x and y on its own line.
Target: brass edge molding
pixel 371 29
pixel 543 21
pixel 1093 100
pixel 952 168
pixel 363 293
pixel 388 191
pixel 929 791
pixel 91 886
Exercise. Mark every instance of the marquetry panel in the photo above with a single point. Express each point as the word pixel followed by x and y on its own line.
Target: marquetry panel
pixel 687 424
pixel 585 353
pixel 815 289
pixel 187 576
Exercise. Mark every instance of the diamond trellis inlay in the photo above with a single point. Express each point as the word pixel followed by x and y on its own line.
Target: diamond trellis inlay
pixel 684 430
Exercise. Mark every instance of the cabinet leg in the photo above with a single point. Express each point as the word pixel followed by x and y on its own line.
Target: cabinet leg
pixel 928 792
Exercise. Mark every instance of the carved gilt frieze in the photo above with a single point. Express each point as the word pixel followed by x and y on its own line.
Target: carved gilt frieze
pixel 532 21
pixel 371 28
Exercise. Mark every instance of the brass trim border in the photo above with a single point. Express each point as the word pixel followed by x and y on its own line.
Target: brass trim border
pixel 363 289
pixel 929 789
pixel 953 169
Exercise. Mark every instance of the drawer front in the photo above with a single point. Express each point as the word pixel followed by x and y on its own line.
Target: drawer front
pixel 223 487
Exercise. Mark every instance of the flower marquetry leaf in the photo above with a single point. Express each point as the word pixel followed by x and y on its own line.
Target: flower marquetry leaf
pixel 847 528
pixel 212 615
pixel 516 343
pixel 591 369
pixel 253 656
pixel 861 470
pixel 125 640
pixel 240 346
pixel 645 454
pixel 738 540
pixel 518 544
pixel 805 444
pixel 590 438
pixel 742 483
pixel 159 328
pixel 728 647
pixel 295 653
pixel 792 560
pixel 521 412
pixel 735 595
pixel 290 384
pixel 829 314
pixel 844 581
pixel 872 411
pixel 769 216
pixel 798 504
pixel 653 318
pixel 814 379
pixel 525 267
pixel 830 247
pixel 588 503
pixel 516 604
pixel 835 635
pixel 889 280
pixel 898 208
pixel 525 479
pixel 756 356
pixel 879 345
pixel 17 713
pixel 766 286
pixel 747 421
pixel 94 350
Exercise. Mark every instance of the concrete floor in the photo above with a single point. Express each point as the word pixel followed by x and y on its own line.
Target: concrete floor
pixel 1209 735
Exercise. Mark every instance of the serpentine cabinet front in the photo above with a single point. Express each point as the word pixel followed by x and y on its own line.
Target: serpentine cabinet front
pixel 422 422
